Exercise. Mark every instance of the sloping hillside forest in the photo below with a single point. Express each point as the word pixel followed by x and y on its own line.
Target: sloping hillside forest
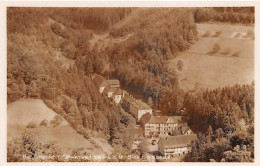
pixel 50 56
pixel 241 15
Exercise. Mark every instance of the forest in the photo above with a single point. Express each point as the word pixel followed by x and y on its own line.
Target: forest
pixel 237 15
pixel 49 57
pixel 227 125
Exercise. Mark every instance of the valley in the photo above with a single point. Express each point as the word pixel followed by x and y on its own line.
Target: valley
pixel 155 84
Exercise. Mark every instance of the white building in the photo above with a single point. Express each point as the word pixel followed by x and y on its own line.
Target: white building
pixel 143 110
pixel 118 96
pixel 137 107
pixel 103 85
pixel 170 146
pixel 163 125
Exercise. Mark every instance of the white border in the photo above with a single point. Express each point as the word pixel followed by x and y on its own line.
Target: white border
pixel 118 3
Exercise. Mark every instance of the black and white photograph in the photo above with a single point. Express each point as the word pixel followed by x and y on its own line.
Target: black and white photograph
pixel 130 84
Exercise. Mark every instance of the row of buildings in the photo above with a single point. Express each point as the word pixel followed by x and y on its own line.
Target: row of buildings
pixel 166 125
pixel 179 145
pixel 174 134
pixel 136 107
pixel 109 87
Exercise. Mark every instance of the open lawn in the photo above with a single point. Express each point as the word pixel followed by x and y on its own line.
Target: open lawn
pixel 66 137
pixel 21 112
pixel 217 59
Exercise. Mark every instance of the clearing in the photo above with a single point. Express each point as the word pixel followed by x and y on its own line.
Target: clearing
pixel 23 111
pixel 223 55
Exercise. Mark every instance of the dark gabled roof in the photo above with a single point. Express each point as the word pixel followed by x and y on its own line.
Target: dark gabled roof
pixel 158 119
pixel 118 92
pixel 185 128
pixel 164 119
pixel 113 82
pixel 128 98
pixel 177 141
pixel 104 84
pixel 125 92
pixel 175 119
pixel 143 105
pixel 109 89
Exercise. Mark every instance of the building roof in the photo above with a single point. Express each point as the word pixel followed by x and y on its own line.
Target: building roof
pixel 140 105
pixel 158 119
pixel 177 141
pixel 118 92
pixel 165 119
pixel 175 119
pixel 128 98
pixel 143 105
pixel 157 113
pixel 104 83
pixel 109 89
pixel 137 132
pixel 113 82
pixel 185 128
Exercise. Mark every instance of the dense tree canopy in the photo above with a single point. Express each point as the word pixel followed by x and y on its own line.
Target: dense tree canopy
pixel 50 57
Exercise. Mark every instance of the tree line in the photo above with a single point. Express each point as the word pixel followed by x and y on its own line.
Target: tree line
pixel 224 119
pixel 49 57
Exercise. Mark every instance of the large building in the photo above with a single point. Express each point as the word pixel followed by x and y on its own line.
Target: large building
pixel 114 83
pixel 170 146
pixel 109 87
pixel 101 83
pixel 118 96
pixel 165 125
pixel 137 108
pixel 137 136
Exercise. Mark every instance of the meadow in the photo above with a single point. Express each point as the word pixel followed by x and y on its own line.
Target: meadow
pixel 23 111
pixel 223 55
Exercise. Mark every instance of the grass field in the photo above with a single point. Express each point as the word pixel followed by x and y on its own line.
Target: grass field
pixel 21 112
pixel 232 62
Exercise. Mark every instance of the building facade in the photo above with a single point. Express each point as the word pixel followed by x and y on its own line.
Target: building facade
pixel 163 125
pixel 170 146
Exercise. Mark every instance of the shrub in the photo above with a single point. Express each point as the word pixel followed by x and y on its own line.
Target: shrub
pixel 31 125
pixel 44 123
pixel 180 65
pixel 236 54
pixel 237 35
pixel 56 28
pixel 56 121
pixel 207 34
pixel 217 34
pixel 215 49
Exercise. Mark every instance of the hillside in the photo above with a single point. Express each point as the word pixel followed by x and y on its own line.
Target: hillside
pixel 21 112
pixel 232 63
pixel 53 53
pixel 36 49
